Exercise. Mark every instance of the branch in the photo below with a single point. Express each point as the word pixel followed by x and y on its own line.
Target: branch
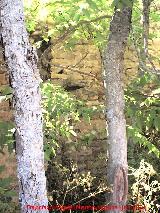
pixel 153 68
pixel 142 64
pixel 73 69
pixel 93 194
pixel 72 29
pixel 80 60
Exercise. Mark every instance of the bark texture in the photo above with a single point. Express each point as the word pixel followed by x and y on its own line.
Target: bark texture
pixel 146 12
pixel 22 65
pixel 117 141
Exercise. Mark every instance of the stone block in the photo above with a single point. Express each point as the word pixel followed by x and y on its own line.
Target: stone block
pixel 62 62
pixel 4 105
pixel 93 103
pixel 59 76
pixel 6 115
pixel 3 79
pixel 75 77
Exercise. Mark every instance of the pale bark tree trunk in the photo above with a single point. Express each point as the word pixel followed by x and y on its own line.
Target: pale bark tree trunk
pixel 22 65
pixel 117 141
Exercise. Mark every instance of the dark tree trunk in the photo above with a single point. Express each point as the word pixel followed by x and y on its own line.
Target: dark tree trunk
pixel 146 12
pixel 22 65
pixel 117 141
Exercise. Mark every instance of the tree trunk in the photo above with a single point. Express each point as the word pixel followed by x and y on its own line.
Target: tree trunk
pixel 117 141
pixel 22 65
pixel 146 11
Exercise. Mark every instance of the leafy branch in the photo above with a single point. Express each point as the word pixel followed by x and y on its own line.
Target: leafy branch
pixel 72 28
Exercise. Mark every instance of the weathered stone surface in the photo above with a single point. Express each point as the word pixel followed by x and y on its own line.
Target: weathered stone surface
pixel 4 105
pixel 6 115
pixel 3 80
pixel 84 78
pixel 80 71
pixel 58 76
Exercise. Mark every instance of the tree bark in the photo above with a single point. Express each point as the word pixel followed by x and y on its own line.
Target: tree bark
pixel 117 141
pixel 146 11
pixel 22 65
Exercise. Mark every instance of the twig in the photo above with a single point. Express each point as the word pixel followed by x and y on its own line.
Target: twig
pixel 143 66
pixel 91 195
pixel 72 28
pixel 74 69
pixel 65 193
pixel 80 60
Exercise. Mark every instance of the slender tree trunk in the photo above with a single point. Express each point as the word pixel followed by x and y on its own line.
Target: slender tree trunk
pixel 117 141
pixel 22 65
pixel 146 11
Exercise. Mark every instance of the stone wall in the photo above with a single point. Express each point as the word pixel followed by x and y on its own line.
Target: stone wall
pixel 80 72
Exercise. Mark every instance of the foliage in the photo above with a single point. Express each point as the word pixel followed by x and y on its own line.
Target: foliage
pixel 121 3
pixel 137 25
pixel 137 29
pixel 6 128
pixel 142 111
pixel 6 135
pixel 6 194
pixel 73 187
pixel 61 112
pixel 145 190
pixel 69 20
pixel 6 91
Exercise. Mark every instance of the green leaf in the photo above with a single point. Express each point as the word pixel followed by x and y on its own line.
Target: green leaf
pixel 10 193
pixel 157 123
pixel 115 3
pixel 5 90
pixel 5 182
pixel 92 4
pixel 77 17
